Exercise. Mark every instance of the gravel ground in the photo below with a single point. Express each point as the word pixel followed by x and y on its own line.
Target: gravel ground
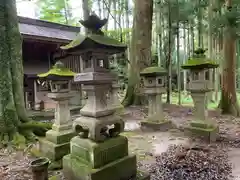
pixel 157 150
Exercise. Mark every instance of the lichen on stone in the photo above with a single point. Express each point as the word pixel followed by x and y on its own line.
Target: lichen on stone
pixel 153 71
pixel 58 70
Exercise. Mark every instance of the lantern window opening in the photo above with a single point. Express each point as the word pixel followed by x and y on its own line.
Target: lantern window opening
pixel 160 81
pixel 150 81
pixel 207 75
pixel 195 75
pixel 100 63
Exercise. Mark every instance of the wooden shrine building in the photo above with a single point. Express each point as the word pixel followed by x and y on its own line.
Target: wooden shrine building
pixel 41 40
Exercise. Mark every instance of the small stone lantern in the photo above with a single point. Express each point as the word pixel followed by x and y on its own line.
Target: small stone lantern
pixel 56 143
pixel 199 85
pixel 99 151
pixel 154 82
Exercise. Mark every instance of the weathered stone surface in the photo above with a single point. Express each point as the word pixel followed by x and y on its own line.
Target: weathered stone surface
pixel 203 130
pixel 60 137
pixel 99 154
pixel 56 144
pixel 54 151
pixel 75 168
pixel 96 125
pixel 157 125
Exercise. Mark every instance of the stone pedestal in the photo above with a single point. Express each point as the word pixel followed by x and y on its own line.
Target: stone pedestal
pixel 156 119
pixel 56 144
pixel 114 101
pixel 99 152
pixel 108 160
pixel 201 126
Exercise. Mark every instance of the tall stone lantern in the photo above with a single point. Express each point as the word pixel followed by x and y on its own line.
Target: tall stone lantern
pixel 199 85
pixel 154 82
pixel 99 152
pixel 56 144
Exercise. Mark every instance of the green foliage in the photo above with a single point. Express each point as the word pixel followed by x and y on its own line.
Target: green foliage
pixel 56 11
pixel 226 17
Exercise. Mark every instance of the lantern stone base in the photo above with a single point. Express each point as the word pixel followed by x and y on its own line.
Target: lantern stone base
pixel 119 110
pixel 161 125
pixel 203 130
pixel 56 144
pixel 109 160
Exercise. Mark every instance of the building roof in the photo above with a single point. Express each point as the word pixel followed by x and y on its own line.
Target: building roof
pixel 45 29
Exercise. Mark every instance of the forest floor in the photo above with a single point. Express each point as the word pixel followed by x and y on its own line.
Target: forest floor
pixel 14 165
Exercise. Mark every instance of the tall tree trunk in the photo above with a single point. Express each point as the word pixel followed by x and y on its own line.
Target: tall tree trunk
pixel 210 47
pixel 12 110
pixel 99 8
pixel 179 73
pixel 140 56
pixel 228 102
pixel 86 12
pixel 169 56
pixel 200 33
pixel 192 37
pixel 119 17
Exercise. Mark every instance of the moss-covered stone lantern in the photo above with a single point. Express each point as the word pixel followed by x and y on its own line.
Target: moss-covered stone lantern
pixel 154 82
pixel 99 151
pixel 59 78
pixel 56 144
pixel 199 85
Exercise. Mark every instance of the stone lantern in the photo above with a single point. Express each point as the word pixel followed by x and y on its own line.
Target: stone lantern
pixel 199 85
pixel 99 151
pixel 56 144
pixel 154 82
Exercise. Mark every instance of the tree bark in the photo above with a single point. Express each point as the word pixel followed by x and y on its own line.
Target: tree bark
pixel 228 102
pixel 140 49
pixel 12 110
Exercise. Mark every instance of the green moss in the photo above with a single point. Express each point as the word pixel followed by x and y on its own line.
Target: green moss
pixel 200 63
pixel 53 178
pixel 58 70
pixel 35 152
pixel 154 70
pixel 99 39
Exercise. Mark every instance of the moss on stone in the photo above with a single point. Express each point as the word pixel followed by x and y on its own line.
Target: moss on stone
pixel 75 168
pixel 153 71
pixel 200 63
pixel 201 124
pixel 99 154
pixel 163 125
pixel 203 130
pixel 58 70
pixel 98 39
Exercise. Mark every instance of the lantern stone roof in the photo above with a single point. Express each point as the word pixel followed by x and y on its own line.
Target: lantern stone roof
pixel 199 61
pixel 94 41
pixel 95 38
pixel 153 71
pixel 58 72
pixel 38 29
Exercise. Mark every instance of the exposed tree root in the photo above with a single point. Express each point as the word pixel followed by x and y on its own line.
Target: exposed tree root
pixel 229 107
